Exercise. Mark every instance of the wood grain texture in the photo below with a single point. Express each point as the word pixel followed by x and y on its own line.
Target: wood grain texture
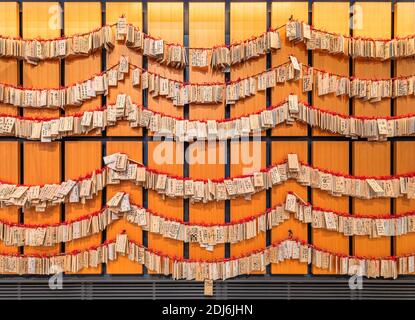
pixel 42 165
pixel 404 25
pixel 247 157
pixel 333 156
pixel 123 265
pixel 376 23
pixel 280 150
pixel 9 26
pixel 41 160
pixel 371 159
pixel 36 19
pixel 206 29
pixel 404 162
pixel 82 17
pixel 248 19
pixel 404 150
pixel 280 14
pixel 332 16
pixel 10 172
pixel 9 151
pixel 208 162
pixel 82 157
pixel 166 157
pixel 133 14
pixel 165 21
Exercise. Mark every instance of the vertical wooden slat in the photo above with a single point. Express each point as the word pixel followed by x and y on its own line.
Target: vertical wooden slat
pixel 404 25
pixel 333 156
pixel 9 172
pixel 333 16
pixel 9 151
pixel 404 162
pixel 133 14
pixel 165 157
pixel 248 19
pixel 123 264
pixel 41 160
pixel 165 21
pixel 42 165
pixel 281 12
pixel 81 158
pixel 330 155
pixel 372 158
pixel 280 150
pixel 82 17
pixel 9 27
pixel 404 151
pixel 206 29
pixel 247 157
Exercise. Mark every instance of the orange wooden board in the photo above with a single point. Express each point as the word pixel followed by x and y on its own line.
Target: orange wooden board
pixel 165 21
pixel 248 19
pixel 247 157
pixel 208 162
pixel 9 172
pixel 9 26
pixel 333 156
pixel 133 14
pixel 281 12
pixel 81 158
pixel 36 19
pixel 164 156
pixel 42 165
pixel 135 233
pixel 82 17
pixel 206 29
pixel 371 159
pixel 280 150
pixel 333 16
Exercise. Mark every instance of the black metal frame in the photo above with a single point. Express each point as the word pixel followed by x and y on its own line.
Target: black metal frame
pixel 158 287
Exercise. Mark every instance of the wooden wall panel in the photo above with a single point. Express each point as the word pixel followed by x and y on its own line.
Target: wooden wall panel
pixel 82 158
pixel 9 27
pixel 206 29
pixel 248 19
pixel 404 151
pixel 9 172
pixel 404 25
pixel 9 151
pixel 404 162
pixel 247 157
pixel 376 23
pixel 371 159
pixel 333 16
pixel 165 21
pixel 133 14
pixel 280 150
pixel 45 75
pixel 333 156
pixel 42 165
pixel 135 233
pixel 209 163
pixel 82 17
pixel 166 157
pixel 41 160
pixel 280 14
